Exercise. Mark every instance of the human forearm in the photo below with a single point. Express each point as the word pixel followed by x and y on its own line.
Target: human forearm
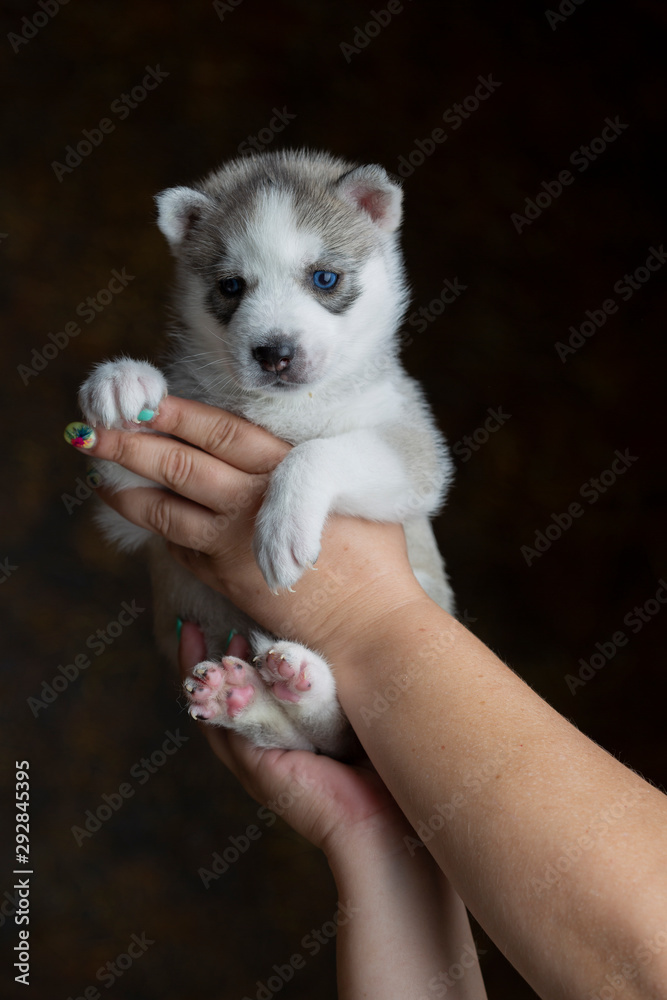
pixel 527 800
pixel 408 933
pixel 528 816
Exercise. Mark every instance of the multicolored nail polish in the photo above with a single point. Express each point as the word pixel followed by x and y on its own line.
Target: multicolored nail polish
pixel 146 415
pixel 80 435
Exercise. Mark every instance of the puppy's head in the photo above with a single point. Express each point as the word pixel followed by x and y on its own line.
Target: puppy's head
pixel 289 269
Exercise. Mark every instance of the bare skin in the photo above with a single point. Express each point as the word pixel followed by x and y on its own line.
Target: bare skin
pixel 402 926
pixel 557 849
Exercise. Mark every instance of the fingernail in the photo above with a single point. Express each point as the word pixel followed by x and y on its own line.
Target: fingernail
pixel 179 626
pixel 230 637
pixel 146 415
pixel 93 477
pixel 80 435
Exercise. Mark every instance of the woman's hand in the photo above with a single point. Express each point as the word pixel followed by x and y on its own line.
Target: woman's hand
pixel 328 803
pixel 216 467
pixel 399 922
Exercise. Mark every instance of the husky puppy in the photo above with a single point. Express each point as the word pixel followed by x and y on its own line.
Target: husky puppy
pixel 290 292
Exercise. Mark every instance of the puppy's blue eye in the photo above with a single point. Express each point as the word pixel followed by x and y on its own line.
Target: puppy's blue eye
pixel 231 286
pixel 324 279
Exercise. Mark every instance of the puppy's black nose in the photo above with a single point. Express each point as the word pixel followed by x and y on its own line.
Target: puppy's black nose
pixel 275 357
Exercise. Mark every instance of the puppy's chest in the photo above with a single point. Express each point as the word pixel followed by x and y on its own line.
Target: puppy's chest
pixel 297 420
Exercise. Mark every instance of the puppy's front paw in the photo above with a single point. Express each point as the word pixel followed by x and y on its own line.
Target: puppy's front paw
pixel 117 391
pixel 287 540
pixel 290 522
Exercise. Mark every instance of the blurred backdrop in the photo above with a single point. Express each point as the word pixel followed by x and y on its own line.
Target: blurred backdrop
pixel 538 202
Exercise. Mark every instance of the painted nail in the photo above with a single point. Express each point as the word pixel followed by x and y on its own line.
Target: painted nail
pixel 93 477
pixel 179 626
pixel 146 415
pixel 230 637
pixel 80 435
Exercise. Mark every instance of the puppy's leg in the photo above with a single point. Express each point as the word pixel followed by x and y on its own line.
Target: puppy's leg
pixel 305 687
pixel 232 694
pixel 366 473
pixel 117 391
pixel 114 394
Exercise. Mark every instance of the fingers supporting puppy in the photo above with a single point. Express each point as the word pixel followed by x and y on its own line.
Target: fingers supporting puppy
pixel 179 466
pixel 180 521
pixel 191 648
pixel 225 436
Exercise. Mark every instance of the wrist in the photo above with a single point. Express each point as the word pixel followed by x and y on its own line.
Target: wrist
pixel 370 849
pixel 364 579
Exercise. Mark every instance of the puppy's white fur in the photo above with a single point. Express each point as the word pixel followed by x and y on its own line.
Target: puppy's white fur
pixel 364 440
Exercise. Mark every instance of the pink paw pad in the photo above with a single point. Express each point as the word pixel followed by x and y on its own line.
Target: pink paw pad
pixel 217 688
pixel 287 682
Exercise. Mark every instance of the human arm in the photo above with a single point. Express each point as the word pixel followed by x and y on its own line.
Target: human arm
pixel 400 925
pixel 521 788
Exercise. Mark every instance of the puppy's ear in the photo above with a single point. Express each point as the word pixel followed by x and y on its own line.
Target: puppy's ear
pixel 370 189
pixel 178 210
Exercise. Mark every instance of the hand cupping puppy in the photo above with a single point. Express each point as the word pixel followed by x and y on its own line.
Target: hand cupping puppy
pixel 214 469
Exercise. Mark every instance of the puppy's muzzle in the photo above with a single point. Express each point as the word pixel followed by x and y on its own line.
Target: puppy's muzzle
pixel 275 356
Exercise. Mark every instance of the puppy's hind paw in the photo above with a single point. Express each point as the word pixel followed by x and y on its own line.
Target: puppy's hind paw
pixel 220 689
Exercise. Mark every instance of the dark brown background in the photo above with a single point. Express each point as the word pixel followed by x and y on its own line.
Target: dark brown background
pixel 493 347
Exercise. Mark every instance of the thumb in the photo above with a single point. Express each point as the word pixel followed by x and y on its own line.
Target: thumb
pixel 192 647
